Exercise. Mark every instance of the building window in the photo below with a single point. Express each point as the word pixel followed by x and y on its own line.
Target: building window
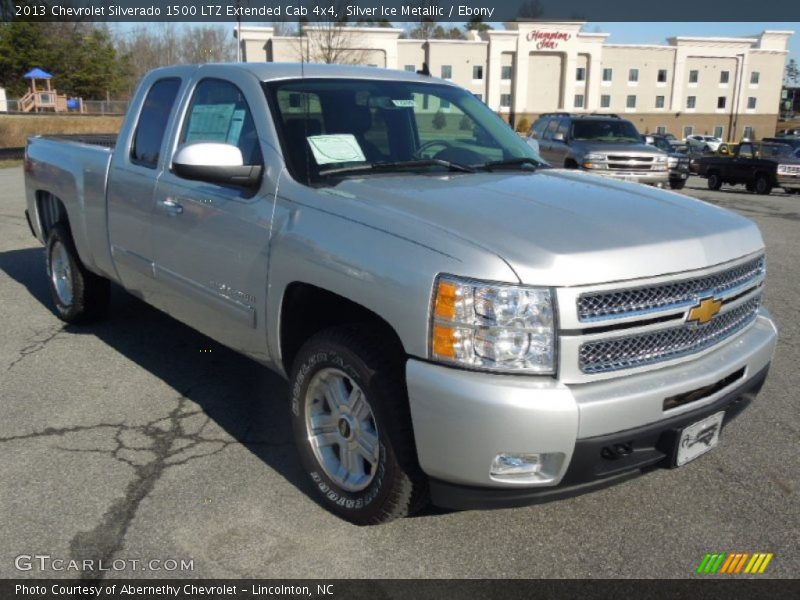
pixel 444 104
pixel 724 76
pixel 607 74
pixel 718 131
pixel 661 129
pixel 477 72
pixel 410 68
pixel 662 76
pixel 505 100
pixel 633 75
pixel 721 101
pixel 506 72
pixel 605 101
pixel 659 101
pixel 751 102
pixel 580 74
pixel 691 102
pixel 630 101
pixel 754 77
pixel 687 131
pixel 693 75
pixel 749 133
pixel 447 71
pixel 578 100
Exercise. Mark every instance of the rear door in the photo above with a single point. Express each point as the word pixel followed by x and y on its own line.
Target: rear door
pixel 211 240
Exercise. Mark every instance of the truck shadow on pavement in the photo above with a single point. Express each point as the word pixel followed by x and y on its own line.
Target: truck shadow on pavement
pixel 245 399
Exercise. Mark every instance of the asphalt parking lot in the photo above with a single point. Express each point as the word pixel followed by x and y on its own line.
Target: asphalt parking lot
pixel 137 439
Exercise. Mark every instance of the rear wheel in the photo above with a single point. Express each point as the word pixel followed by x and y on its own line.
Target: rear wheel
pixel 762 185
pixel 714 181
pixel 78 294
pixel 352 426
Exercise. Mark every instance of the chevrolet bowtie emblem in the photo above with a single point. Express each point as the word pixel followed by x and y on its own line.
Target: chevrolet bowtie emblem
pixel 704 311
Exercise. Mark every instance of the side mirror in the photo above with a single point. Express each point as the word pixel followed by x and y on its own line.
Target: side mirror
pixel 214 162
pixel 558 137
pixel 649 139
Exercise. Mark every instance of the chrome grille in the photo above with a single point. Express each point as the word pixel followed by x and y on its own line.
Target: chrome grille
pixel 613 354
pixel 615 304
pixel 630 163
pixel 793 169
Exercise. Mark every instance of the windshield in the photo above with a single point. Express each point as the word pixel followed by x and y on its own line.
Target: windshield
pixel 329 127
pixel 606 130
pixel 782 150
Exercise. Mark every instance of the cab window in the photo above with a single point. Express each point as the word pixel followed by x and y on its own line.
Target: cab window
pixel 152 125
pixel 219 113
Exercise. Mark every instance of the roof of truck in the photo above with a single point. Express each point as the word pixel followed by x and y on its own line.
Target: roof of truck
pixel 271 71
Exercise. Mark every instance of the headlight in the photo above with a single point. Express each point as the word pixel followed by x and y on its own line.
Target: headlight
pixel 783 168
pixel 594 156
pixel 491 326
pixel 660 159
pixel 672 162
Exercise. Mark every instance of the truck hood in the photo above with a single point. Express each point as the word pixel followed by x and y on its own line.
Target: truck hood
pixel 560 228
pixel 615 147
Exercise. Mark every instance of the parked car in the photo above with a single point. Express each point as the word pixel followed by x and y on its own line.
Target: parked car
pixel 706 143
pixel 678 160
pixel 603 144
pixel 788 132
pixel 456 321
pixel 793 141
pixel 760 167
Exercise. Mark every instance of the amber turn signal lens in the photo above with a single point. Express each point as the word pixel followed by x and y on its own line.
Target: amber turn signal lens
pixel 444 341
pixel 445 306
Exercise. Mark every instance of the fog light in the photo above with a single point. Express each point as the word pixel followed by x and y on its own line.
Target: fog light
pixel 526 467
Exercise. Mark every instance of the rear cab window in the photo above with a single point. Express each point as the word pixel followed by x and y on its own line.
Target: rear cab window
pixel 152 125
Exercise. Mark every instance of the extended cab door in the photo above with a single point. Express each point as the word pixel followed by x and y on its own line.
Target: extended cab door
pixel 211 240
pixel 135 168
pixel 740 169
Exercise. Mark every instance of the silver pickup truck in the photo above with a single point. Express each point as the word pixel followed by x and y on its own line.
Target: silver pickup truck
pixel 458 322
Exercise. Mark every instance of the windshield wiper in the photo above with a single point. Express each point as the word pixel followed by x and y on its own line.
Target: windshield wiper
pixel 511 162
pixel 382 167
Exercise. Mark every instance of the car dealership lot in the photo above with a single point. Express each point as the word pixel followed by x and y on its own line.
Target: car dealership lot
pixel 138 439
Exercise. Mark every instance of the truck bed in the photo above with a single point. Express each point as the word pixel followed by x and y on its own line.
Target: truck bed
pixel 106 140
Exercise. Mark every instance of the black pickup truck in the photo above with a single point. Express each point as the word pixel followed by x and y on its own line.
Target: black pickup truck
pixel 759 166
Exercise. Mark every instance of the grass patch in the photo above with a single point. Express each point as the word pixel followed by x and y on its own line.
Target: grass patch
pixel 8 164
pixel 15 129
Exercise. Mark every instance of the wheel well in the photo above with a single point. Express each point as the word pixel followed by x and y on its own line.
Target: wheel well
pixel 308 309
pixel 51 211
pixel 570 163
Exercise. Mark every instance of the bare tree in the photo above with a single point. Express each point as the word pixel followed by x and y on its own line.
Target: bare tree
pixel 331 43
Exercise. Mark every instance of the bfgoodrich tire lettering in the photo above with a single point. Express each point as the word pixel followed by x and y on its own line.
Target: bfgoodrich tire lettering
pixel 78 295
pixel 357 360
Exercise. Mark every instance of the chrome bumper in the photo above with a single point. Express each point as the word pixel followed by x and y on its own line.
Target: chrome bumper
pixel 788 181
pixel 648 177
pixel 463 419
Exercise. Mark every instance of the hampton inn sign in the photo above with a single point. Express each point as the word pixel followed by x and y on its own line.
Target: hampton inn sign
pixel 724 86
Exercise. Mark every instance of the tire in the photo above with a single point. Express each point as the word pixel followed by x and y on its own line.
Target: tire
pixel 762 185
pixel 750 187
pixel 677 184
pixel 791 190
pixel 79 295
pixel 714 181
pixel 358 449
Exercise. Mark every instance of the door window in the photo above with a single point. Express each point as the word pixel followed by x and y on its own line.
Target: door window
pixel 219 113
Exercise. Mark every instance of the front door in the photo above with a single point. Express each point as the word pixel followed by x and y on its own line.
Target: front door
pixel 211 241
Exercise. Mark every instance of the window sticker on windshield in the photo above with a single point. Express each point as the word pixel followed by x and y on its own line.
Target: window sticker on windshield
pixel 336 148
pixel 403 103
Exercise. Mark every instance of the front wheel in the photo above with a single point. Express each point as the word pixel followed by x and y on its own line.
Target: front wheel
pixel 714 181
pixel 677 184
pixel 78 294
pixel 762 185
pixel 352 426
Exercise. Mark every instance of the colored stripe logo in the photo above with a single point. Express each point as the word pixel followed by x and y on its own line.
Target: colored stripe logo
pixel 734 563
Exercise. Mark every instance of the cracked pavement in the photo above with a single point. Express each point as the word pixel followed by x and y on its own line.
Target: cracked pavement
pixel 137 438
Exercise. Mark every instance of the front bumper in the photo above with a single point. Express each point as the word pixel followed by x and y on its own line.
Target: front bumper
pixel 648 177
pixel 789 181
pixel 463 419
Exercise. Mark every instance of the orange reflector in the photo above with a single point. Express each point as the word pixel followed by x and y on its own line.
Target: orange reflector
pixel 445 307
pixel 444 341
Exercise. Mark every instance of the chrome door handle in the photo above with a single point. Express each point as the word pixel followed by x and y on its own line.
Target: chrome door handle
pixel 170 207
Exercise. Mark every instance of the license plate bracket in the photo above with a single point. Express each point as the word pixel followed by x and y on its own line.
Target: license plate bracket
pixel 698 438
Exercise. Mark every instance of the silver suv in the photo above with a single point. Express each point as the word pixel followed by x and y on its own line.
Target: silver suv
pixel 603 144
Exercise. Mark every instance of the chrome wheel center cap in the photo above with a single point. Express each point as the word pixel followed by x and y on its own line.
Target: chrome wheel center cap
pixel 345 428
